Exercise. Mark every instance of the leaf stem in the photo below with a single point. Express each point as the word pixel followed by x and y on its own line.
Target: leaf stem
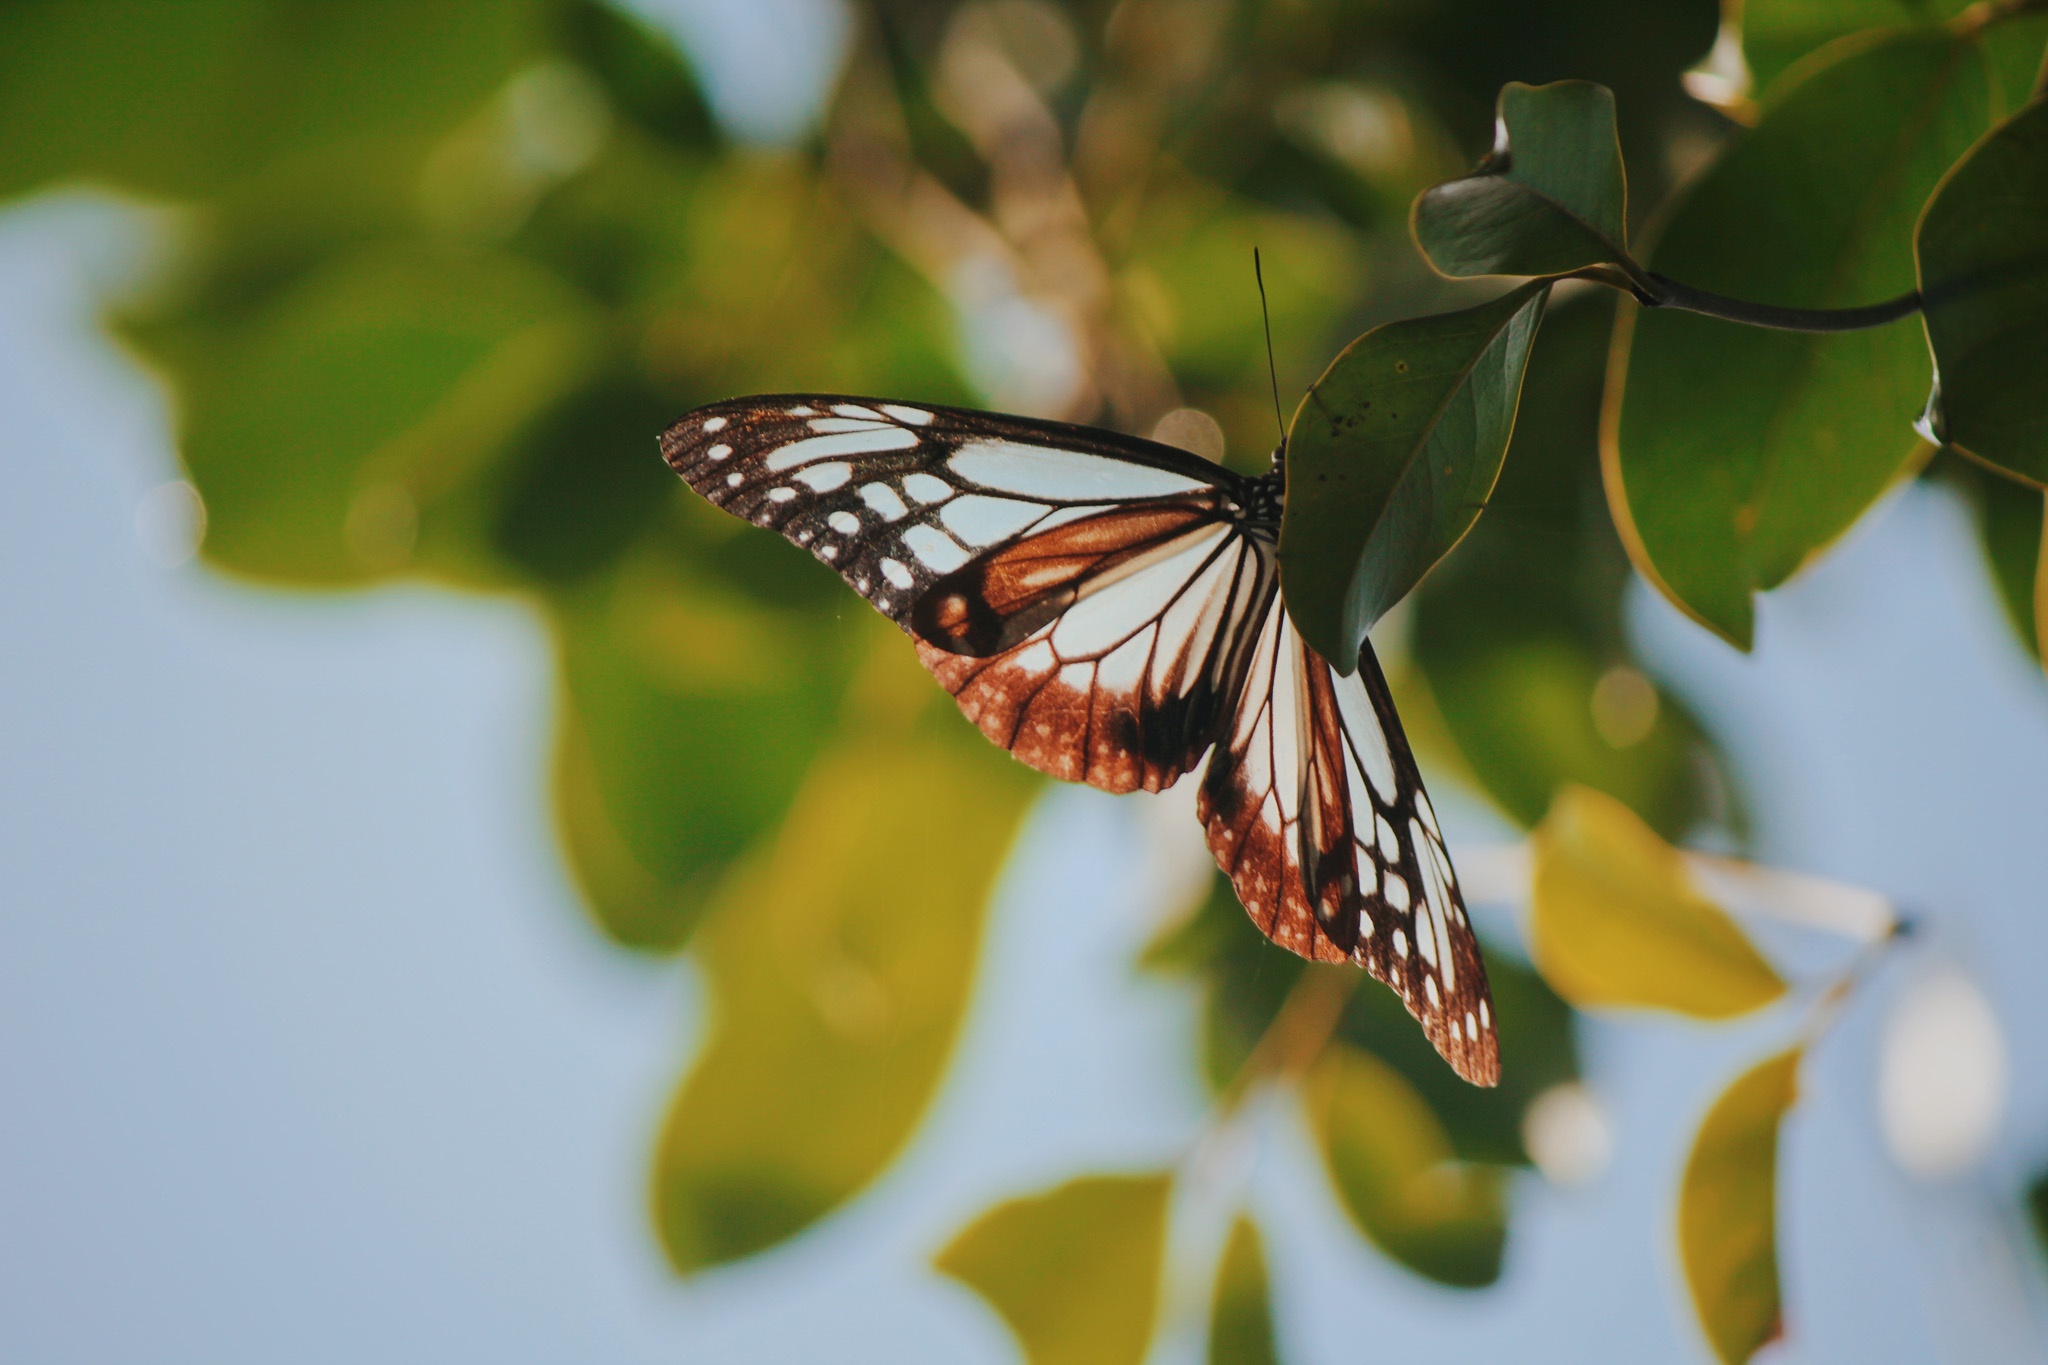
pixel 1671 294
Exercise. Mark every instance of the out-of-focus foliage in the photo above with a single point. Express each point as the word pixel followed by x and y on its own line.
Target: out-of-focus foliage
pixel 1074 1271
pixel 1727 1211
pixel 438 274
pixel 1550 198
pixel 1735 453
pixel 840 969
pixel 1241 1312
pixel 1614 921
pixel 1390 459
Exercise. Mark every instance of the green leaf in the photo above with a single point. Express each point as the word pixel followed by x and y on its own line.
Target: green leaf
pixel 1727 1211
pixel 1390 458
pixel 1241 1314
pixel 180 99
pixel 1734 454
pixel 322 424
pixel 1615 922
pixel 1983 258
pixel 839 970
pixel 1776 33
pixel 1396 1173
pixel 1520 634
pixel 2037 1208
pixel 687 719
pixel 1550 198
pixel 1074 1271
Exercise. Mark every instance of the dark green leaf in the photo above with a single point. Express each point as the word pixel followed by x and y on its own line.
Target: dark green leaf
pixel 1776 33
pixel 1551 198
pixel 322 423
pixel 1074 1271
pixel 1616 922
pixel 180 99
pixel 1727 1211
pixel 1241 1314
pixel 688 717
pixel 2037 1209
pixel 1519 635
pixel 1983 254
pixel 1734 454
pixel 1391 456
pixel 1394 1169
pixel 641 70
pixel 839 971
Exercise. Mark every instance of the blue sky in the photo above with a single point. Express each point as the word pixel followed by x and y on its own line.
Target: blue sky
pixel 310 1054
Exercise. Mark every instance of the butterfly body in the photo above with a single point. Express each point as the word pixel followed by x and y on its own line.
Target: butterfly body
pixel 1108 610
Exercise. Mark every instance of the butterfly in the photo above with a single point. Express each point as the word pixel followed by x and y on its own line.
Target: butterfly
pixel 1108 610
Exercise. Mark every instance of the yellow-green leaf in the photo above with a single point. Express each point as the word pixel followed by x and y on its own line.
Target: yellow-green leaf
pixel 839 970
pixel 1727 1211
pixel 1395 1170
pixel 1075 1271
pixel 1616 922
pixel 1241 1315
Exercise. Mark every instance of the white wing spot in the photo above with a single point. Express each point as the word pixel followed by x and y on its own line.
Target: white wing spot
pixel 829 551
pixel 823 478
pixel 1068 475
pixel 917 417
pixel 803 535
pixel 802 410
pixel 1429 989
pixel 1400 943
pixel 1035 659
pixel 1390 847
pixel 845 523
pixel 934 548
pixel 981 520
pixel 862 585
pixel 781 494
pixel 830 425
pixel 735 479
pixel 716 424
pixel 894 571
pixel 883 499
pixel 1485 1016
pixel 718 452
pixel 1471 1025
pixel 927 488
pixel 856 410
pixel 867 442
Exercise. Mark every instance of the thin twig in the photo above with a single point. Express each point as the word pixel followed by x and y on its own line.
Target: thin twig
pixel 1672 294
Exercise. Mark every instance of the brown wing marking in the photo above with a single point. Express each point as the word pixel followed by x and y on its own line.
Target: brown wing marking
pixel 1134 646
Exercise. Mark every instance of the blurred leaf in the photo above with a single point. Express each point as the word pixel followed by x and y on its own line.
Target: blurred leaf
pixel 1727 1211
pixel 640 68
pixel 839 970
pixel 321 426
pixel 687 719
pixel 1245 979
pixel 179 99
pixel 1391 455
pixel 1776 33
pixel 1241 1314
pixel 1551 198
pixel 1734 454
pixel 1394 1169
pixel 1615 922
pixel 2009 525
pixel 2037 1208
pixel 1519 633
pixel 1074 1271
pixel 1983 258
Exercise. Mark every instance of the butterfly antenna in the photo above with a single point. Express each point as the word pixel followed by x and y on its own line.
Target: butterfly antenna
pixel 1272 374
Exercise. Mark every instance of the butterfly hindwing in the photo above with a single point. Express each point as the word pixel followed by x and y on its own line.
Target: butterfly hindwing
pixel 1314 807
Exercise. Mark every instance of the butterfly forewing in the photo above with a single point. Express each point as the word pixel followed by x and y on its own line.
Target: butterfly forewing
pixel 1314 807
pixel 896 496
